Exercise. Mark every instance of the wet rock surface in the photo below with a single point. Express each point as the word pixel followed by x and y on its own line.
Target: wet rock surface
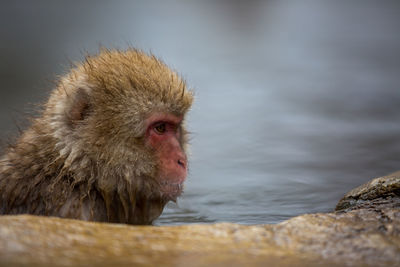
pixel 363 231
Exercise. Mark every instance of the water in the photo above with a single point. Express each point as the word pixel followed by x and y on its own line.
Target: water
pixel 297 102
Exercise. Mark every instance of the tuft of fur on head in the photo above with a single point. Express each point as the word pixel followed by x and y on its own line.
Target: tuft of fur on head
pixel 87 147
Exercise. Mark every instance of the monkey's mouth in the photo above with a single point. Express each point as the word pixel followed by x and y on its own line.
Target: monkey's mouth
pixel 171 191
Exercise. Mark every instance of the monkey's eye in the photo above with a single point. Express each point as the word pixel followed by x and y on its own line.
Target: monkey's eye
pixel 160 128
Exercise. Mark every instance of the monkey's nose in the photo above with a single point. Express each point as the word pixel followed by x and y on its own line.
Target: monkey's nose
pixel 182 163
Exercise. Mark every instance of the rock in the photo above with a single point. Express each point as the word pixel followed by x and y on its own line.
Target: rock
pixel 29 241
pixel 378 192
pixel 359 234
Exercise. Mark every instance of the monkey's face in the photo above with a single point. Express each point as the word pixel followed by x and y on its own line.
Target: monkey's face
pixel 164 137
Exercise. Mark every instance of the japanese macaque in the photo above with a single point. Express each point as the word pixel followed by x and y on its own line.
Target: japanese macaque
pixel 109 145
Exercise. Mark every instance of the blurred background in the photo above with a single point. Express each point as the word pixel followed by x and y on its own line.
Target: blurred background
pixel 297 102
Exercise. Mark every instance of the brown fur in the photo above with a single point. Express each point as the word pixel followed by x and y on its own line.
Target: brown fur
pixel 84 157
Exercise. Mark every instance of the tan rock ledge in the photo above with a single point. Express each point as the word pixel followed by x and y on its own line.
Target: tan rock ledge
pixel 365 231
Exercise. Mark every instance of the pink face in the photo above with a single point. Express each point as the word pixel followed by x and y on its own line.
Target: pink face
pixel 163 134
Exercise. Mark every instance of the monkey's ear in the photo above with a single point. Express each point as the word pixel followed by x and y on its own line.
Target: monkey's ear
pixel 79 107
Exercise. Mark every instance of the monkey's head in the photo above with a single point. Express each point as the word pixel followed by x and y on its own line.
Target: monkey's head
pixel 118 121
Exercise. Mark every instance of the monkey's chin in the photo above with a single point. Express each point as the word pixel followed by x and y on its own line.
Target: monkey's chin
pixel 171 191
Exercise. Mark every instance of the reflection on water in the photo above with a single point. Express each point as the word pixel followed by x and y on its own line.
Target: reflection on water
pixel 297 102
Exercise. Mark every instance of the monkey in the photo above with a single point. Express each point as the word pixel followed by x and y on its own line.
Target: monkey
pixel 109 145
